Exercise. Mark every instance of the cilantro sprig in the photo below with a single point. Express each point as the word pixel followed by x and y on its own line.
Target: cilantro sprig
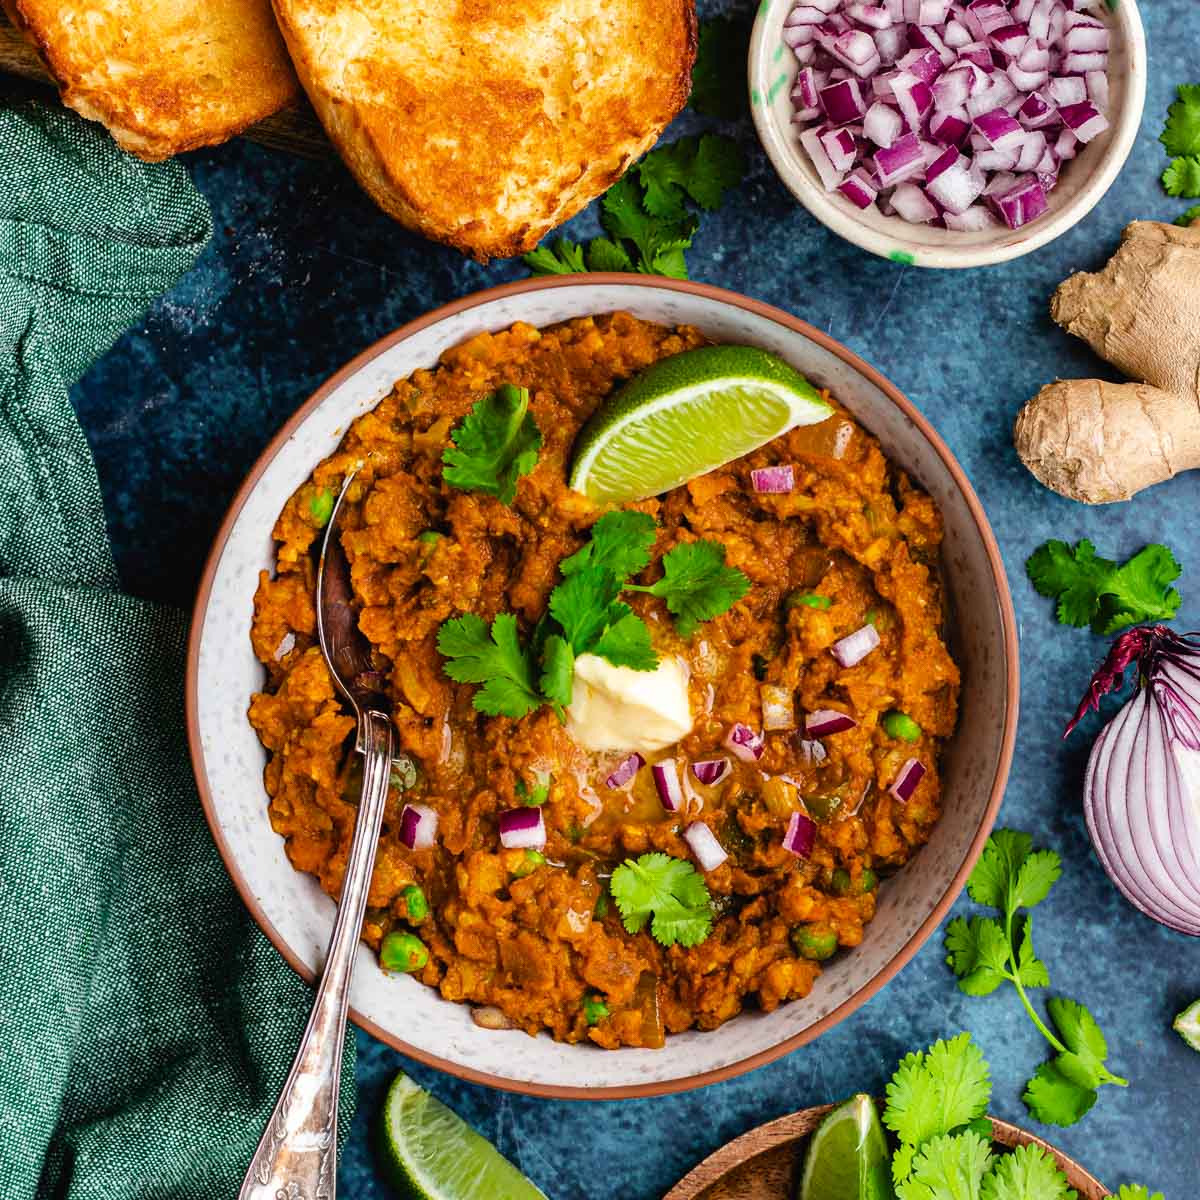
pixel 1095 590
pixel 494 445
pixel 646 214
pixel 669 893
pixel 1181 140
pixel 985 953
pixel 586 616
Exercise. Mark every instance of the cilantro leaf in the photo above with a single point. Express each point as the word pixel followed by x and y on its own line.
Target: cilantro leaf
pixel 666 891
pixel 497 661
pixel 1093 589
pixel 626 642
pixel 948 1167
pixel 935 1091
pixel 1028 1173
pixel 1137 1191
pixel 978 954
pixel 620 541
pixel 558 672
pixel 719 76
pixel 1182 177
pixel 581 604
pixel 697 585
pixel 1056 1100
pixel 623 216
pixel 1003 854
pixel 605 255
pixel 1037 874
pixel 1181 135
pixel 1030 969
pixel 703 168
pixel 1186 218
pixel 561 258
pixel 494 445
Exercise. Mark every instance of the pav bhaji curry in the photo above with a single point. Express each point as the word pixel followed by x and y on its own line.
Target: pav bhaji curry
pixel 613 818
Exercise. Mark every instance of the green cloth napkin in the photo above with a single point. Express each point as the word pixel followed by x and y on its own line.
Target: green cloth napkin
pixel 146 1025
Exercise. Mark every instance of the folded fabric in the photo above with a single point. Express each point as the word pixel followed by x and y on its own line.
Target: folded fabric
pixel 146 1025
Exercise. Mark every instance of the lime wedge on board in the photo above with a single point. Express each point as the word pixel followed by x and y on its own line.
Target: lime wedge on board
pixel 1187 1025
pixel 686 415
pixel 848 1155
pixel 433 1154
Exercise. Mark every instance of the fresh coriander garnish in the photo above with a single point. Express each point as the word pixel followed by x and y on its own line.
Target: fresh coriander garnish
pixel 498 661
pixel 985 953
pixel 1192 214
pixel 561 257
pixel 494 445
pixel 696 584
pixel 620 542
pixel 669 893
pixel 1097 590
pixel 1137 1191
pixel 1181 139
pixel 719 76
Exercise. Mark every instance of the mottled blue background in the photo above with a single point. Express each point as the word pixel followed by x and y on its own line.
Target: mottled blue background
pixel 304 273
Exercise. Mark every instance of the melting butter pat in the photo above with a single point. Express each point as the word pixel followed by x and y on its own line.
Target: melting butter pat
pixel 618 708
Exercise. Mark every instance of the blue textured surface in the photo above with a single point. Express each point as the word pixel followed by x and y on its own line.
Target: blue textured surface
pixel 304 273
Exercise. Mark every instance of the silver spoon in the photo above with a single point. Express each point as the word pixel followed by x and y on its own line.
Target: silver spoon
pixel 297 1156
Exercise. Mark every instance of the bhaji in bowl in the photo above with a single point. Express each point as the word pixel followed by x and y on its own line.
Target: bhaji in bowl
pixel 718 842
pixel 815 706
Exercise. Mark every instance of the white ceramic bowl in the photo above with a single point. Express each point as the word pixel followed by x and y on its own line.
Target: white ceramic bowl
pixel 297 916
pixel 1083 181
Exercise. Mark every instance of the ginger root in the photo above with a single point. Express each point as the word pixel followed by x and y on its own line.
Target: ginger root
pixel 1101 442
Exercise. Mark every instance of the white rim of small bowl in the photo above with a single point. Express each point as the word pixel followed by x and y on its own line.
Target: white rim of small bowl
pixel 891 237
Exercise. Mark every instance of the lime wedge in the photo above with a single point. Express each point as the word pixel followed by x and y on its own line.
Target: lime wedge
pixel 432 1154
pixel 687 415
pixel 1187 1025
pixel 848 1155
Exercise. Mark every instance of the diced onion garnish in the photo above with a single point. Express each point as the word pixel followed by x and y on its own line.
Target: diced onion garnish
pixel 825 721
pixel 522 829
pixel 744 742
pixel 886 86
pixel 711 771
pixel 418 826
pixel 778 709
pixel 626 771
pixel 853 648
pixel 666 783
pixel 801 835
pixel 710 854
pixel 906 780
pixel 287 644
pixel 813 751
pixel 773 479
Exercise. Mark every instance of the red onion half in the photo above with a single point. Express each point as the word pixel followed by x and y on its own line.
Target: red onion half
pixel 1141 795
pixel 418 826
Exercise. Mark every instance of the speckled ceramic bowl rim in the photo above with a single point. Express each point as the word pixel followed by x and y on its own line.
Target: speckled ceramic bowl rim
pixel 1012 243
pixel 1004 760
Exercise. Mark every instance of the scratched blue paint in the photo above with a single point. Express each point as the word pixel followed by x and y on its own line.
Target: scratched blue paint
pixel 304 272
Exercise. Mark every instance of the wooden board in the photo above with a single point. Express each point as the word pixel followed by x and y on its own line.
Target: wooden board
pixel 295 130
pixel 764 1164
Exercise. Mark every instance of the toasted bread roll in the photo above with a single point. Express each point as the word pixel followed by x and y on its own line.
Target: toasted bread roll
pixel 485 123
pixel 162 75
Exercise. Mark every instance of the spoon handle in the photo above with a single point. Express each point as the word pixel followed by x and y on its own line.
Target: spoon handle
pixel 297 1156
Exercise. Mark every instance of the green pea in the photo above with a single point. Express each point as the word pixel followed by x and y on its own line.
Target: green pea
pixel 534 796
pixel 320 507
pixel 845 885
pixel 533 860
pixel 822 808
pixel 594 1010
pixel 817 942
pixel 415 903
pixel 601 909
pixel 900 725
pixel 403 953
pixel 430 537
pixel 808 600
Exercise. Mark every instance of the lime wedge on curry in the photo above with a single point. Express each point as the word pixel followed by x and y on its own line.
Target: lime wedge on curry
pixel 1187 1025
pixel 687 415
pixel 433 1154
pixel 848 1155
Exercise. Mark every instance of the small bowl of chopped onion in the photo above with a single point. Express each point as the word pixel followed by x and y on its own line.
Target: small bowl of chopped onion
pixel 946 133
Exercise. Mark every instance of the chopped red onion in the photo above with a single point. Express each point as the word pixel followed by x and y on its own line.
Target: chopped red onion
pixel 772 479
pixel 830 176
pixel 882 124
pixel 710 854
pixel 972 220
pixel 1097 89
pixel 418 826
pixel 912 204
pixel 843 101
pixel 1067 89
pixel 906 781
pixel 825 721
pixel 853 648
pixel 1084 120
pixel 801 835
pixel 859 188
pixel 522 829
pixel 949 128
pixel 745 743
pixel 915 98
pixel 1022 203
pixel 813 751
pixel 778 708
pixel 900 161
pixel 711 771
pixel 666 783
pixel 626 771
pixel 957 184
